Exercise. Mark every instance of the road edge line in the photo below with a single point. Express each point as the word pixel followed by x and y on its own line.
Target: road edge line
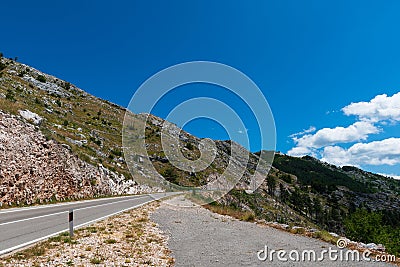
pixel 8 250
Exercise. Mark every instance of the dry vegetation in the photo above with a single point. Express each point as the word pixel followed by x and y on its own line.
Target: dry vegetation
pixel 128 239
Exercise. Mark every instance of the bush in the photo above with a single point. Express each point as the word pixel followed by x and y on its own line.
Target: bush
pixel 41 78
pixel 65 123
pixel 2 66
pixel 298 230
pixel 10 95
pixel 366 226
pixel 96 141
pixel 363 225
pixel 248 217
pixel 95 261
pixel 325 235
pixel 170 174
pixel 189 146
pixel 67 85
pixel 117 152
pixel 286 178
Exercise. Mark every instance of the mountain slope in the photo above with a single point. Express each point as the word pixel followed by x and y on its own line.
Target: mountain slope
pixel 57 141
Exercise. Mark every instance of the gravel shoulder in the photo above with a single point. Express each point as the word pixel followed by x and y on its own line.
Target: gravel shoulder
pixel 198 237
pixel 127 239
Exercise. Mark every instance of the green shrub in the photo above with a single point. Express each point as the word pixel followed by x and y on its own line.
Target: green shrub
pixel 67 85
pixel 2 66
pixel 299 230
pixel 248 217
pixel 189 146
pixel 369 226
pixel 37 101
pixel 325 235
pixel 170 174
pixel 41 78
pixel 95 261
pixel 110 241
pixel 117 152
pixel 10 95
pixel 286 178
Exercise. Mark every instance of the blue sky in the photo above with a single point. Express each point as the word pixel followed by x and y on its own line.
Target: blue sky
pixel 311 59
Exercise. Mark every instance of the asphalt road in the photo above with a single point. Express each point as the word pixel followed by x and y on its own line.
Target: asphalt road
pixel 21 227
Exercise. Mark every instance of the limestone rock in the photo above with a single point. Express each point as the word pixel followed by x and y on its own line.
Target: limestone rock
pixel 30 116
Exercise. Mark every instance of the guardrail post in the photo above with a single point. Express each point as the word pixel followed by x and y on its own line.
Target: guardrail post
pixel 71 222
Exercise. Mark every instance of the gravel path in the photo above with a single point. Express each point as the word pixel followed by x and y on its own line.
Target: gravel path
pixel 199 237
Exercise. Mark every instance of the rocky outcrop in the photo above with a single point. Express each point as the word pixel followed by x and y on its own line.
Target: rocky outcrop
pixel 36 170
pixel 30 116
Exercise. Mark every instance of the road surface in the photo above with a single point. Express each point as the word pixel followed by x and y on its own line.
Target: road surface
pixel 198 237
pixel 21 227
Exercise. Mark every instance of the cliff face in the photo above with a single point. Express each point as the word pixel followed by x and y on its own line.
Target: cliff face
pixel 34 169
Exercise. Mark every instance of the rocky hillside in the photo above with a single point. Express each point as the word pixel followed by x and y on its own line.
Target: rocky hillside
pixel 64 113
pixel 34 169
pixel 183 143
pixel 57 142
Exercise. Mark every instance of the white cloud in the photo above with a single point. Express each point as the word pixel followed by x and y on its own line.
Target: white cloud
pixel 240 131
pixel 300 151
pixel 311 129
pixel 383 152
pixel 329 136
pixel 381 108
pixel 372 116
pixel 394 176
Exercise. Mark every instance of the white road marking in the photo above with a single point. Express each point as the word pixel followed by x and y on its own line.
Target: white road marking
pixel 57 213
pixel 59 204
pixel 62 231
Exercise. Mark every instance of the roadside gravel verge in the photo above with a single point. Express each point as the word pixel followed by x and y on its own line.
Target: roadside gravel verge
pixel 199 237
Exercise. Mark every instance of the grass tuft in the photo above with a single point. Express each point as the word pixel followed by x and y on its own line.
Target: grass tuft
pixel 110 241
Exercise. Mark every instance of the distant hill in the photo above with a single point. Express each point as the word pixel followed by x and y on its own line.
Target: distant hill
pixel 306 192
